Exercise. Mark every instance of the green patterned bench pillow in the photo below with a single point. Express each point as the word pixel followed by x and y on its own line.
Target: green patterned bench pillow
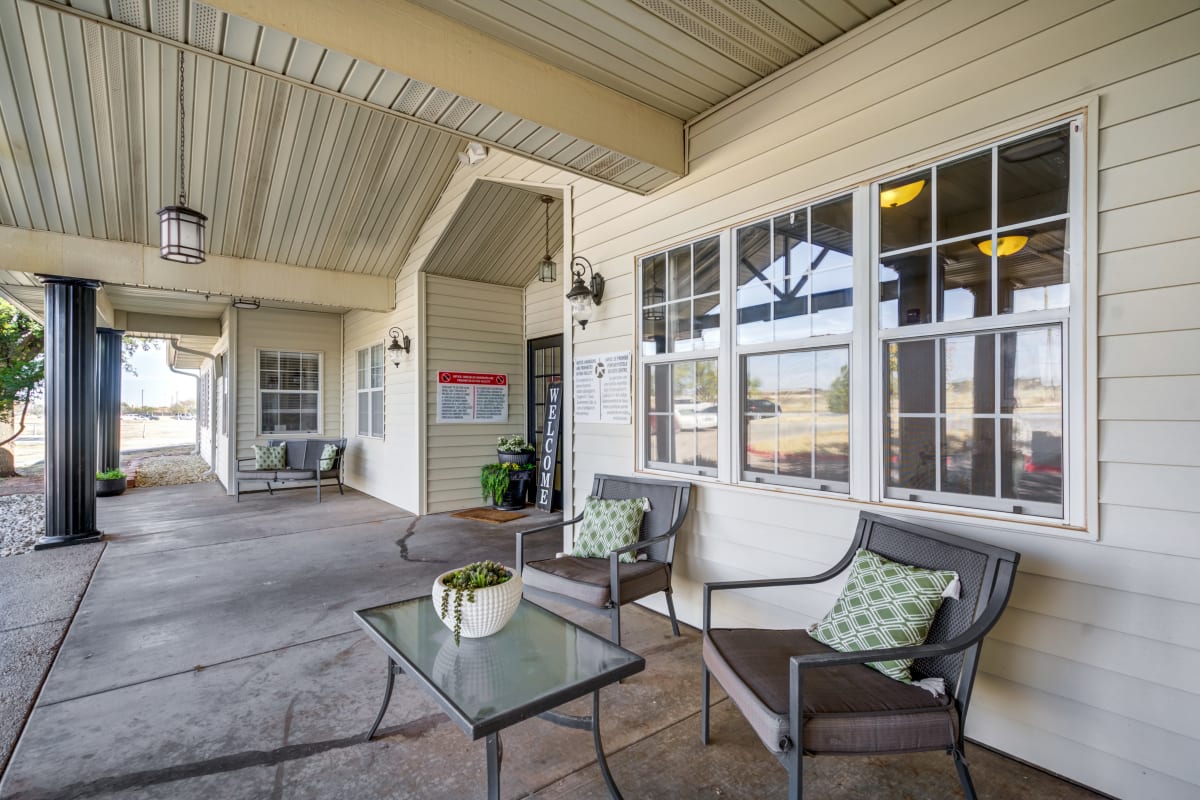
pixel 607 525
pixel 269 456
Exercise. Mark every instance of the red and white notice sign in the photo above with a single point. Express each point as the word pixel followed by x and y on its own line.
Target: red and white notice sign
pixel 472 397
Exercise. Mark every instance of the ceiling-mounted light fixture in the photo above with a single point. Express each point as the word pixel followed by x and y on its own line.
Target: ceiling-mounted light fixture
pixel 584 296
pixel 400 344
pixel 899 195
pixel 247 303
pixel 546 267
pixel 1005 245
pixel 474 153
pixel 181 229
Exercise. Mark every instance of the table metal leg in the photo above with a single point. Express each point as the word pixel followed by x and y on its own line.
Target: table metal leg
pixel 392 669
pixel 495 755
pixel 608 778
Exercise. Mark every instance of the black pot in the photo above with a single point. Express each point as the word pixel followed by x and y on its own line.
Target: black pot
pixel 518 490
pixel 110 487
pixel 516 458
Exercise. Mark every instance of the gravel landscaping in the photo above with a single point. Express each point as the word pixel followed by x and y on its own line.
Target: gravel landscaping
pixel 171 470
pixel 22 522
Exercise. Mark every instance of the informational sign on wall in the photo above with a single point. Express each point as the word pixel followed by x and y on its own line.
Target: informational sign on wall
pixel 602 389
pixel 472 397
pixel 548 452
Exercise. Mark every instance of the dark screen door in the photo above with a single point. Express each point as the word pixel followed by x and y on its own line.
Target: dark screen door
pixel 544 368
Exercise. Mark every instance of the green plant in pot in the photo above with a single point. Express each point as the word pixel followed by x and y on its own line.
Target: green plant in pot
pixel 494 589
pixel 514 449
pixel 110 483
pixel 503 484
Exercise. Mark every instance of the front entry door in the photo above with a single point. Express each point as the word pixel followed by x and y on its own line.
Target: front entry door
pixel 544 368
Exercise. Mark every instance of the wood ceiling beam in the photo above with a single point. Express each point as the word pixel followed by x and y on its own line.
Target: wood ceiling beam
pixel 425 45
pixel 45 253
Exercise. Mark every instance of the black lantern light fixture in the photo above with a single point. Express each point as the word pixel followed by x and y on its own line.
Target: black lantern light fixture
pixel 653 298
pixel 584 297
pixel 546 268
pixel 400 344
pixel 181 234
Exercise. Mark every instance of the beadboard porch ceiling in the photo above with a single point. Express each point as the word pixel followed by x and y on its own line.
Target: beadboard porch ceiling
pixel 307 156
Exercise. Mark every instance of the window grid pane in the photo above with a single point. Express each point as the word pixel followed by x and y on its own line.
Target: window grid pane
pixel 289 392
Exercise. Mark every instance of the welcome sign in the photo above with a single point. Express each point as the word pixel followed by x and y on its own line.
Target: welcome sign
pixel 548 454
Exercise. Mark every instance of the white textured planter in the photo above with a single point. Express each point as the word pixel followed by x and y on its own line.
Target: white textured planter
pixel 491 611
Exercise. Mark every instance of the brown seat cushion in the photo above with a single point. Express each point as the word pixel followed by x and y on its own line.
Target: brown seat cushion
pixel 587 579
pixel 297 474
pixel 847 709
pixel 256 474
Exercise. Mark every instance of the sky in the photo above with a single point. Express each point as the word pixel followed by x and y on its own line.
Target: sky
pixel 162 386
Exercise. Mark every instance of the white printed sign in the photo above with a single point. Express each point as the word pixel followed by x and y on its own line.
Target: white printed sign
pixel 472 397
pixel 603 389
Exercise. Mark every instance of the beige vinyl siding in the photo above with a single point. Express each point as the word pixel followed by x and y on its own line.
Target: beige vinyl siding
pixel 469 327
pixel 1091 672
pixel 298 331
pixel 545 303
pixel 388 468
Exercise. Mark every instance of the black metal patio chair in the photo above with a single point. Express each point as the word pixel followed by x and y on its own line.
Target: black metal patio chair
pixel 849 708
pixel 606 583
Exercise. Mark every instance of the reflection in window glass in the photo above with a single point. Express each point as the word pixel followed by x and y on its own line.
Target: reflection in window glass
pixel 956 429
pixel 682 414
pixel 964 282
pixel 905 212
pixel 904 282
pixel 680 295
pixel 964 196
pixel 796 418
pixel 795 274
pixel 1032 175
pixel 1034 277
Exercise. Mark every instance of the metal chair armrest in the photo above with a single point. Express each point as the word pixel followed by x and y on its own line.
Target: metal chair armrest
pixel 761 583
pixel 629 548
pixel 520 556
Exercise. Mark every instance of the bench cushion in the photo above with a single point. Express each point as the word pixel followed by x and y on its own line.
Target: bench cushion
pixel 296 475
pixel 256 474
pixel 587 579
pixel 847 709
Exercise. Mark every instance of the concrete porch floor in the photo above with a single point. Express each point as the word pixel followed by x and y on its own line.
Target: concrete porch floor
pixel 214 655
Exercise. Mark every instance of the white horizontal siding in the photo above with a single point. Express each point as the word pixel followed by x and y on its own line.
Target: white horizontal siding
pixel 388 468
pixel 460 316
pixel 1066 681
pixel 299 331
pixel 545 303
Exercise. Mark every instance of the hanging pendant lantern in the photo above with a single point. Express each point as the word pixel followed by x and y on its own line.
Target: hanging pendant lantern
pixel 546 267
pixel 181 229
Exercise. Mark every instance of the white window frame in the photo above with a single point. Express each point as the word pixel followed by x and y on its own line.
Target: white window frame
pixel 1072 327
pixel 370 390
pixel 720 354
pixel 259 391
pixel 867 342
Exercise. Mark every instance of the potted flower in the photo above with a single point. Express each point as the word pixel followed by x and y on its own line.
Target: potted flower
pixel 110 483
pixel 514 450
pixel 491 592
pixel 505 485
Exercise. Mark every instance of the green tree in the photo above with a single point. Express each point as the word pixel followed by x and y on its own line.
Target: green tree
pixel 838 396
pixel 22 368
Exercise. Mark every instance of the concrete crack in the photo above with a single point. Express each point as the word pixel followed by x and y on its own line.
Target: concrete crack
pixel 402 543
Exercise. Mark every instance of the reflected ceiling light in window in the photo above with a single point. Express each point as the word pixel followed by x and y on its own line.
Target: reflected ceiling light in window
pixel 1005 245
pixel 652 301
pixel 181 229
pixel 899 195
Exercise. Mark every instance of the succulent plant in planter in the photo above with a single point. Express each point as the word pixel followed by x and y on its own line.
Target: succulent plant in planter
pixel 110 483
pixel 478 582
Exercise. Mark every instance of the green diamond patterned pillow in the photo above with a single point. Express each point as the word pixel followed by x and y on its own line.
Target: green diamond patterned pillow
pixel 269 456
pixel 607 525
pixel 885 604
pixel 328 454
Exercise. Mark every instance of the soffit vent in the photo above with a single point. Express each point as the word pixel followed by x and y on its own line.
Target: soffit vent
pixel 206 27
pixel 584 160
pixel 410 97
pixel 130 12
pixel 458 113
pixel 166 19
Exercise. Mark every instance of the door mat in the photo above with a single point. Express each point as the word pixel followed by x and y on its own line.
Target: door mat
pixel 488 515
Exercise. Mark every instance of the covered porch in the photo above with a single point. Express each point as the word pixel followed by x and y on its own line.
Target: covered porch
pixel 214 655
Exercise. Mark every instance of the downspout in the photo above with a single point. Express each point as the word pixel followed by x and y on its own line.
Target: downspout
pixel 175 350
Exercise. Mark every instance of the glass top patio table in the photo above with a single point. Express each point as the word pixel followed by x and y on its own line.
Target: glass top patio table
pixel 538 661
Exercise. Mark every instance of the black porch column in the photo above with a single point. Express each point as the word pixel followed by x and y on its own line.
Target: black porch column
pixel 70 412
pixel 108 399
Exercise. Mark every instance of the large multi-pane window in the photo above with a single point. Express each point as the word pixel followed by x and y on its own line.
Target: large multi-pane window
pixel 370 391
pixel 926 355
pixel 974 255
pixel 795 290
pixel 680 334
pixel 289 389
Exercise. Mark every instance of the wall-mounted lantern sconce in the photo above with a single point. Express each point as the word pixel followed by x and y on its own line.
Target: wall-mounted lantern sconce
pixel 400 344
pixel 584 296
